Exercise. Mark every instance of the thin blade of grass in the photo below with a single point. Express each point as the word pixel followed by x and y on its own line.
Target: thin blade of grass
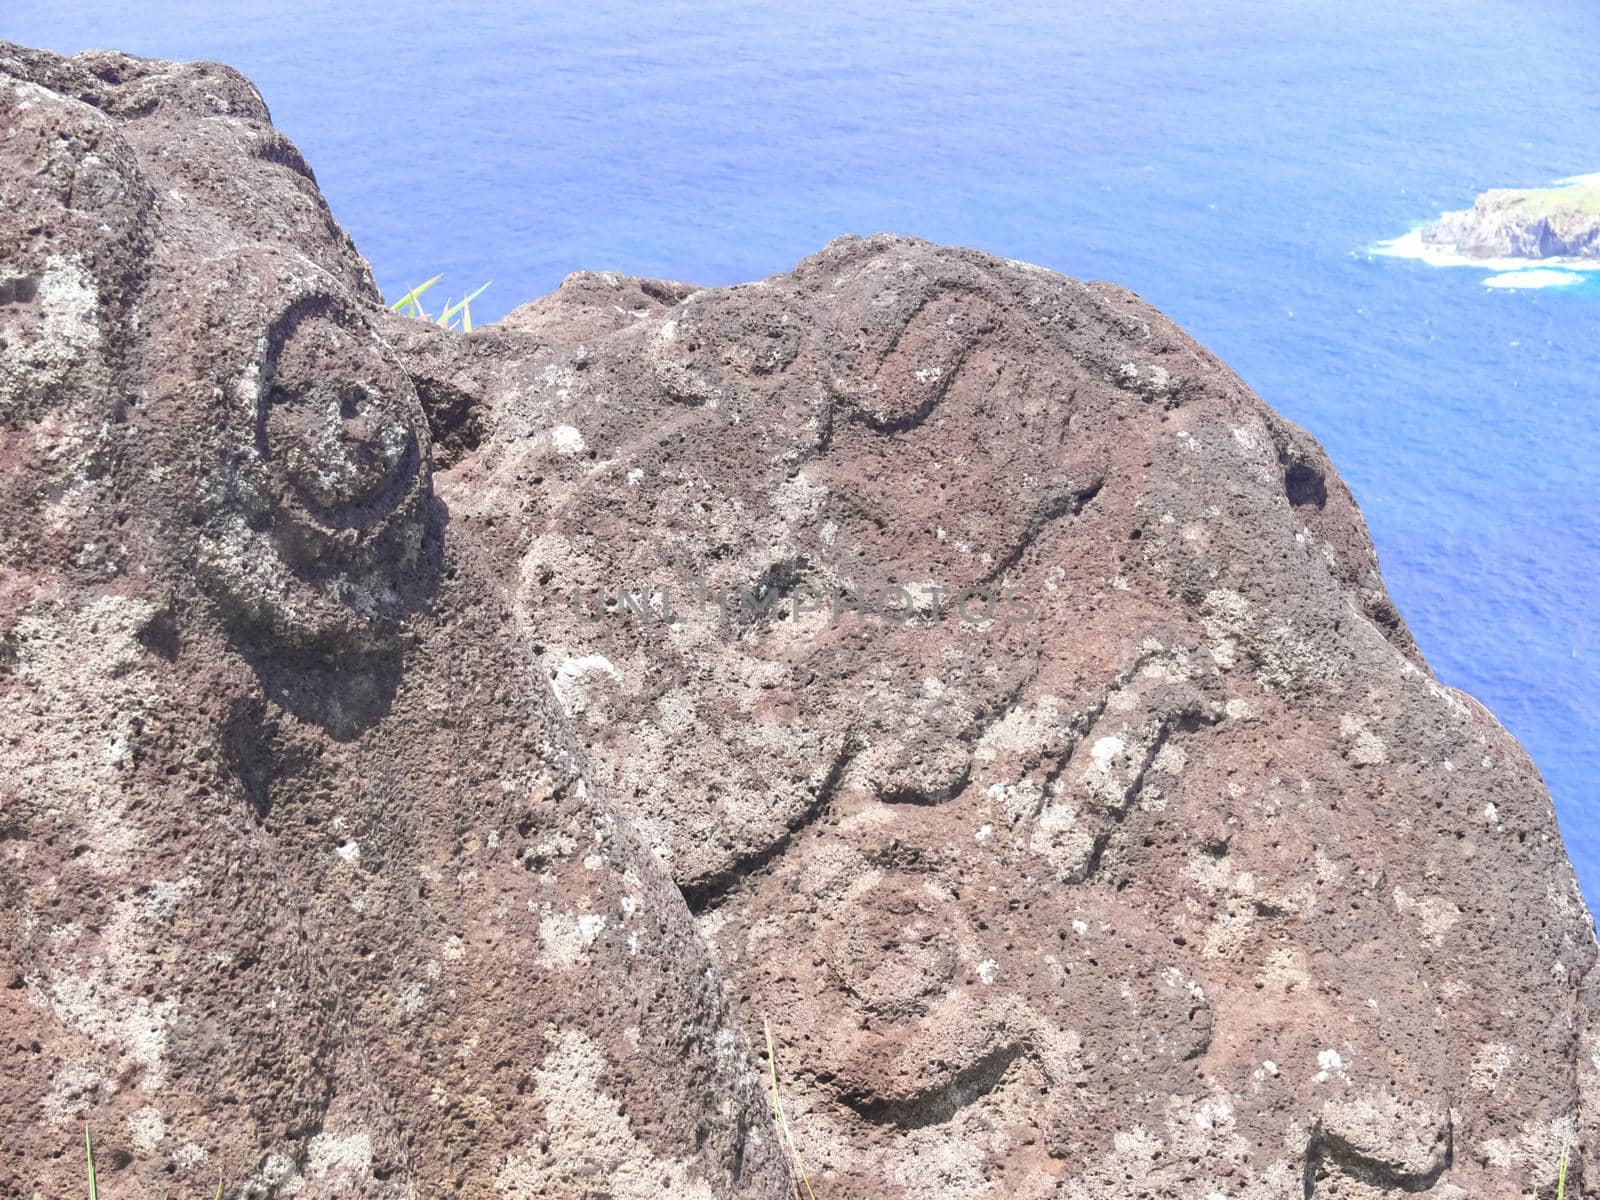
pixel 1561 1178
pixel 88 1151
pixel 466 312
pixel 413 297
pixel 777 1110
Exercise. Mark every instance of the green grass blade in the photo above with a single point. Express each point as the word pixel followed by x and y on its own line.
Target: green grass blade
pixel 462 308
pixel 413 298
pixel 1561 1178
pixel 777 1110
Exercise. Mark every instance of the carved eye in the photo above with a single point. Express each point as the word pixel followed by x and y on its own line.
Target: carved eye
pixel 340 449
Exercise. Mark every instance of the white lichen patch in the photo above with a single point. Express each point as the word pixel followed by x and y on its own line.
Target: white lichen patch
pixel 164 895
pixel 564 938
pixel 146 1129
pixel 1171 758
pixel 69 302
pixel 1104 752
pixel 412 997
pixel 1492 1060
pixel 573 697
pixel 1022 727
pixel 84 783
pixel 132 1029
pixel 330 1155
pixel 1434 915
pixel 1228 932
pixel 1016 800
pixel 1330 1066
pixel 1226 603
pixel 1410 1136
pixel 1366 747
pixel 798 498
pixel 64 1103
pixel 589 1145
pixel 567 441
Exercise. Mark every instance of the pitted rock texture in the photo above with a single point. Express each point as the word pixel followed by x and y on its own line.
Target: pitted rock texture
pixel 1175 873
pixel 307 887
pixel 411 740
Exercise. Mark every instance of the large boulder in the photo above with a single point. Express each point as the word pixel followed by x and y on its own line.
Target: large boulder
pixel 307 888
pixel 412 740
pixel 1016 700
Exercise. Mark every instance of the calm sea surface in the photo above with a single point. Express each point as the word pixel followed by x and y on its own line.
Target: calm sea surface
pixel 1232 161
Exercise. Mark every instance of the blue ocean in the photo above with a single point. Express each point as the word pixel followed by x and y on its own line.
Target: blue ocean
pixel 1234 161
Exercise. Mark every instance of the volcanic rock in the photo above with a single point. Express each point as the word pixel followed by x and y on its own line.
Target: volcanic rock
pixel 307 887
pixel 1535 223
pixel 1016 700
pixel 430 757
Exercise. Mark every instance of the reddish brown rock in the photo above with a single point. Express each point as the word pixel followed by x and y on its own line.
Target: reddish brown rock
pixel 350 837
pixel 307 888
pixel 1195 884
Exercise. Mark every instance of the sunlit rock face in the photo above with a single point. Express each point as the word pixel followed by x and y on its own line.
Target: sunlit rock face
pixel 428 758
pixel 1016 701
pixel 1534 223
pixel 306 887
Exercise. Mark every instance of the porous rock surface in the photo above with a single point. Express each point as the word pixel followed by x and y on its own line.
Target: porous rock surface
pixel 410 738
pixel 307 888
pixel 1195 884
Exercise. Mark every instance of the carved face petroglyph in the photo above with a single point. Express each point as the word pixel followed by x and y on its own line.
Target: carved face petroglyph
pixel 316 519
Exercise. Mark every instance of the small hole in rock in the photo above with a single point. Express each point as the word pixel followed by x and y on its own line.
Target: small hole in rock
pixel 1304 485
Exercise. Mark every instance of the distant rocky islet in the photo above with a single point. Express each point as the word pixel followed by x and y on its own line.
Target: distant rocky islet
pixel 1559 222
